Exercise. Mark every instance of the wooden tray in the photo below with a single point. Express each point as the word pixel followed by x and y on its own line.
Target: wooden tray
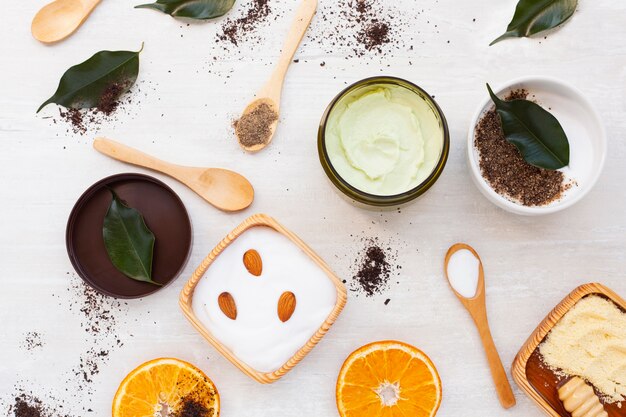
pixel 535 378
pixel 187 294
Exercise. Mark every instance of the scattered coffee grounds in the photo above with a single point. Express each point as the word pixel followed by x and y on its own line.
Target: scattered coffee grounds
pixel 100 323
pixel 504 168
pixel 360 27
pixel 75 118
pixel 237 30
pixel 254 128
pixel 99 311
pixel 100 317
pixel 90 363
pixel 32 340
pixel 373 268
pixel 80 120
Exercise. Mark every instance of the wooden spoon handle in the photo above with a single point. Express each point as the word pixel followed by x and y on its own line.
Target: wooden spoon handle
pixel 500 380
pixel 300 24
pixel 130 155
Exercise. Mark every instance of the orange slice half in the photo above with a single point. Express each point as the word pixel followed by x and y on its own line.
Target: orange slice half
pixel 166 387
pixel 388 379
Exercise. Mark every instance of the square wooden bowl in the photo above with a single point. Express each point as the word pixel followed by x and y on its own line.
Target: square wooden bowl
pixel 187 295
pixel 535 378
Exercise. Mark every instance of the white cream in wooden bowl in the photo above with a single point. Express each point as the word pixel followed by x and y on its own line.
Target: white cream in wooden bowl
pixel 257 335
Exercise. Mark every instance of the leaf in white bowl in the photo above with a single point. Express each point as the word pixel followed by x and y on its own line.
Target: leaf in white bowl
pixel 535 132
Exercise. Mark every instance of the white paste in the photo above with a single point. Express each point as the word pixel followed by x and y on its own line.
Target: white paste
pixel 258 337
pixel 463 270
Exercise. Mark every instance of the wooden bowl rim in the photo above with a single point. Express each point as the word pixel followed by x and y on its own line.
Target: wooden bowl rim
pixel 518 369
pixel 186 296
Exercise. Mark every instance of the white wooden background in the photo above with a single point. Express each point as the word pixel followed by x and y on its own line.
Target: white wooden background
pixel 187 102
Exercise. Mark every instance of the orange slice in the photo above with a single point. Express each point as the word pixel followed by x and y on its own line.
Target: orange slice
pixel 166 387
pixel 388 379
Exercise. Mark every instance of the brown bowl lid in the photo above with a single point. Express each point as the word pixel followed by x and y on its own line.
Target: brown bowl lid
pixel 164 214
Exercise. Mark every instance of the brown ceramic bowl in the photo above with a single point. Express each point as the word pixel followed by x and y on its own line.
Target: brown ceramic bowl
pixel 164 214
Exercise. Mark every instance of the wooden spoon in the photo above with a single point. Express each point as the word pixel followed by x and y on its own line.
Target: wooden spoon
pixel 224 189
pixel 478 310
pixel 59 19
pixel 270 93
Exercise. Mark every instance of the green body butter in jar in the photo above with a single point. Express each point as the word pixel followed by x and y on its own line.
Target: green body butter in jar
pixel 383 141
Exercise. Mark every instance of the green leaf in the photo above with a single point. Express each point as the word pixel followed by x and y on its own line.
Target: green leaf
pixel 83 85
pixel 194 9
pixel 534 16
pixel 128 241
pixel 534 131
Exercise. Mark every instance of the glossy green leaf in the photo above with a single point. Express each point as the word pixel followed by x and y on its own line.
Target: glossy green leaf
pixel 534 16
pixel 534 131
pixel 83 85
pixel 128 241
pixel 193 9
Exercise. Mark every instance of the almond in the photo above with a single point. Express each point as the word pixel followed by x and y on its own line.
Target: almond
pixel 253 263
pixel 227 305
pixel 286 306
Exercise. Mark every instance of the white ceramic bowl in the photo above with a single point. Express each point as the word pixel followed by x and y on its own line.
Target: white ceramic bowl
pixel 581 124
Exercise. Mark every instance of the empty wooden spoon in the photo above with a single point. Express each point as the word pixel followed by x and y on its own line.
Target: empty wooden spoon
pixel 476 306
pixel 59 19
pixel 268 97
pixel 222 188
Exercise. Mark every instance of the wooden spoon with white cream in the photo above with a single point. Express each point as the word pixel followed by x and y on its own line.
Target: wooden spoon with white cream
pixel 466 277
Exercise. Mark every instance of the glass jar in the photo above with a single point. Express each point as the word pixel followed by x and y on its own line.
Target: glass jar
pixel 383 200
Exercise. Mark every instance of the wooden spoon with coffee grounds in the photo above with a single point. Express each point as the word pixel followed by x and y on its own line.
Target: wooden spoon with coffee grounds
pixel 257 125
pixel 226 190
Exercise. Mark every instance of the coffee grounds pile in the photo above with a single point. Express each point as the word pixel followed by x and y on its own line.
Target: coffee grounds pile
pixel 242 28
pixel 193 408
pixel 26 405
pixel 254 127
pixel 32 341
pixel 80 120
pixel 374 268
pixel 109 100
pixel 361 27
pixel 504 168
pixel 374 32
